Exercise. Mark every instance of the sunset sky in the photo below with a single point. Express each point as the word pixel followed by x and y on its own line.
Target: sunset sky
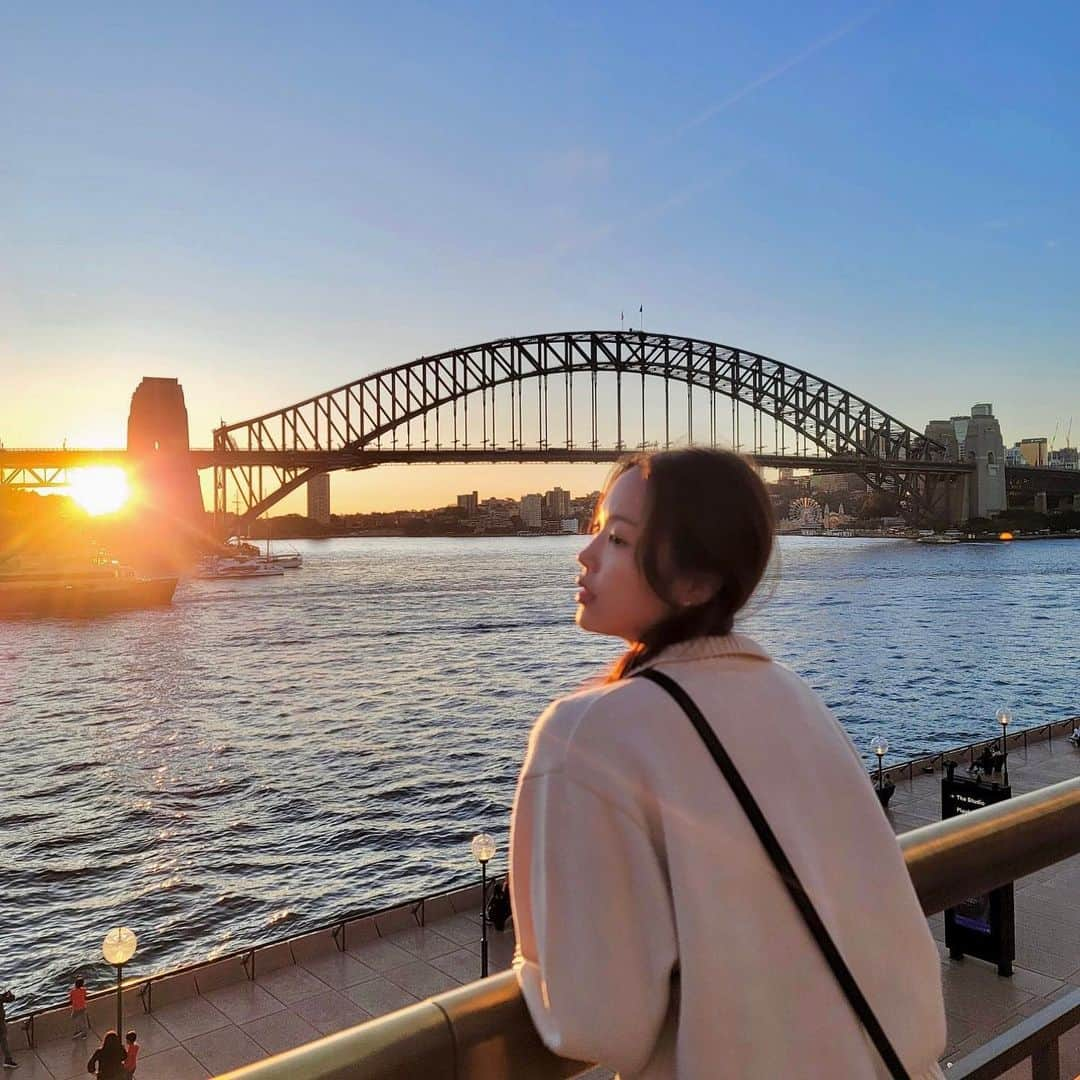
pixel 267 200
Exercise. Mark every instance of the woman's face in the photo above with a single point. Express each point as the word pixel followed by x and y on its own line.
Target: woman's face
pixel 613 596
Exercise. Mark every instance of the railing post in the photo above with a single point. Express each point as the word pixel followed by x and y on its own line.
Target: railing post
pixel 28 1030
pixel 1046 1062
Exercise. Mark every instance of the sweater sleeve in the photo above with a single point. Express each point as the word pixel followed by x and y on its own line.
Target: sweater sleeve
pixel 594 923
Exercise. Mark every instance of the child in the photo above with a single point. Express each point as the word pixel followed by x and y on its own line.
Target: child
pixel 132 1055
pixel 77 997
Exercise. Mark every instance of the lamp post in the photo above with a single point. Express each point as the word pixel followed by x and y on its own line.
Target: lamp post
pixel 483 848
pixel 1004 718
pixel 880 746
pixel 118 948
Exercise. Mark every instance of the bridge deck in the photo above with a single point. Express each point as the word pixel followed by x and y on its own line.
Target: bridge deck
pixel 214 1019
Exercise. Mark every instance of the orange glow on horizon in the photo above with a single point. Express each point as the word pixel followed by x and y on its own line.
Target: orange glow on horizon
pixel 1005 536
pixel 99 490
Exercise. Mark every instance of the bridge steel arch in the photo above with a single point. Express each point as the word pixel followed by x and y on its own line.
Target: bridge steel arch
pixel 423 405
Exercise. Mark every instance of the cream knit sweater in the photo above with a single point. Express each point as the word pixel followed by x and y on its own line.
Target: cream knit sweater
pixel 654 935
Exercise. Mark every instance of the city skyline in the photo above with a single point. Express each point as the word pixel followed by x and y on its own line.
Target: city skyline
pixel 266 207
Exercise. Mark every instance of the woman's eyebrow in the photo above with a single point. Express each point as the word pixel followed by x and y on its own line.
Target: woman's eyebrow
pixel 620 517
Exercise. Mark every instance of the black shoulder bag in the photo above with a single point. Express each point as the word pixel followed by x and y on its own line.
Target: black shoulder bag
pixel 786 871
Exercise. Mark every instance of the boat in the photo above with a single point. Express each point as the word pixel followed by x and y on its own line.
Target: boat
pixel 97 589
pixel 231 568
pixel 935 539
pixel 290 560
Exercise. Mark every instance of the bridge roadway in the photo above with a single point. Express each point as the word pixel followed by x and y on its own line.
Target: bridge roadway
pixel 39 466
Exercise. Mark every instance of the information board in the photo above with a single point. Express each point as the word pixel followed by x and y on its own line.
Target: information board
pixel 981 926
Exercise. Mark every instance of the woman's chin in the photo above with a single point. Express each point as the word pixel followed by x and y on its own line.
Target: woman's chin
pixel 587 620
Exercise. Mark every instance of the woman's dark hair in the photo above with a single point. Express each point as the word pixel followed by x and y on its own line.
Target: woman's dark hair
pixel 112 1042
pixel 708 518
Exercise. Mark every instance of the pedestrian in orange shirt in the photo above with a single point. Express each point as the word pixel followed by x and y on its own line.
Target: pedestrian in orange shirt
pixel 77 997
pixel 132 1058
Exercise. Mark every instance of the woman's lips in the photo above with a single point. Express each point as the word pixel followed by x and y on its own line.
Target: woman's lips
pixel 584 595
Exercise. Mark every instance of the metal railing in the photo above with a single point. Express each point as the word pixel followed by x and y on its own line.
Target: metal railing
pixel 247 956
pixel 483 1031
pixel 1014 739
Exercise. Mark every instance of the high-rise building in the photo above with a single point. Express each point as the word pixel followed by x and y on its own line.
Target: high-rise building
pixel 318 498
pixel 1033 451
pixel 532 511
pixel 468 503
pixel 556 504
pixel 1068 457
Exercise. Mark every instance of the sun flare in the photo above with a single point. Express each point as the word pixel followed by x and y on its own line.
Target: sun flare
pixel 101 490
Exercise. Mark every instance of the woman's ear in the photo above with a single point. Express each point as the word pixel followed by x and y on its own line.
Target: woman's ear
pixel 697 589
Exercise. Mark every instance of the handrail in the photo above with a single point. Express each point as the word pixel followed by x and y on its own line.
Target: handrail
pixel 1034 1037
pixel 483 1030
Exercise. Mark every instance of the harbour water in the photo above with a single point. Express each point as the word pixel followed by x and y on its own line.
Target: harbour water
pixel 266 755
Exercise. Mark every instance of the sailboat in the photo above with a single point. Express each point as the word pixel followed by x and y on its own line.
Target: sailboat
pixel 291 560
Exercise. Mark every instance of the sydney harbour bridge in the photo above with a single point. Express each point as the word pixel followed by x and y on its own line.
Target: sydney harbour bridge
pixel 572 396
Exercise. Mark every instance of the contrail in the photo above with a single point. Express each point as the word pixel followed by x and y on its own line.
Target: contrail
pixel 776 72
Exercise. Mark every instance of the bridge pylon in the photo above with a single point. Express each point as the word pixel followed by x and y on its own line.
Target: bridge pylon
pixel 168 497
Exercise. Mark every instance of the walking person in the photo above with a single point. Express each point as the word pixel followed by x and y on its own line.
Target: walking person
pixel 6 998
pixel 703 882
pixel 131 1058
pixel 107 1062
pixel 77 999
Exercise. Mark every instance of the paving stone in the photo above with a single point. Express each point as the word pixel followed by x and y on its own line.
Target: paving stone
pixel 176 1063
pixel 339 970
pixel 222 1050
pixel 281 1031
pixel 331 1012
pixel 423 942
pixel 462 965
pixel 186 1019
pixel 66 1056
pixel 379 996
pixel 381 955
pixel 291 984
pixel 243 1002
pixel 460 929
pixel 421 979
pixel 31 1067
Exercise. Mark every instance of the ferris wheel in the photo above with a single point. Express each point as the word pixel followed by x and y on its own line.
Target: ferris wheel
pixel 804 511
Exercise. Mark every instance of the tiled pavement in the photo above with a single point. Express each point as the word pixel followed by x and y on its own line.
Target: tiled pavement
pixel 979 1003
pixel 216 1020
pixel 392 964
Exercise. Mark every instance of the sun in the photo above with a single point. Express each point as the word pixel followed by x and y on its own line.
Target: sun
pixel 100 490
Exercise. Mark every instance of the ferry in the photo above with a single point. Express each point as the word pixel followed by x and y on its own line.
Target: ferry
pixel 101 587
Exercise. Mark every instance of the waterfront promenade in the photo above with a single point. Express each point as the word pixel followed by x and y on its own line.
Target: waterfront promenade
pixel 216 1017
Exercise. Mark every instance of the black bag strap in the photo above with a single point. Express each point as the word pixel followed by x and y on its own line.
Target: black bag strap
pixel 787 872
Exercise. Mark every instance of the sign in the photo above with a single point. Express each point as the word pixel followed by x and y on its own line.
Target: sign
pixel 981 926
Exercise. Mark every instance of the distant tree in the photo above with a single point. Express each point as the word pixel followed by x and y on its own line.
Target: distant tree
pixel 878 504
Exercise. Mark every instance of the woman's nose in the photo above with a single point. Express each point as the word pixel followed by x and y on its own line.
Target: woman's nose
pixel 586 556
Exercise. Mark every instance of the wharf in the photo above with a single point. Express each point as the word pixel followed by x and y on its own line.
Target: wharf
pixel 215 1017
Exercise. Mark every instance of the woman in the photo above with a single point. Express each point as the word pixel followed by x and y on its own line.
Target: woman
pixel 108 1060
pixel 655 933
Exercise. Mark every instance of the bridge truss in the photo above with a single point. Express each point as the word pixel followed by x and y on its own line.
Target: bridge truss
pixel 576 395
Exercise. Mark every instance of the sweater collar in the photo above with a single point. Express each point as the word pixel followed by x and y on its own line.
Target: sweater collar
pixel 710 648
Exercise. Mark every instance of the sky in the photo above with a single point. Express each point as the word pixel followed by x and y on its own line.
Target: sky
pixel 268 200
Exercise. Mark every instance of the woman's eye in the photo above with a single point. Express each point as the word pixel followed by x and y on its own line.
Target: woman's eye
pixel 616 540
